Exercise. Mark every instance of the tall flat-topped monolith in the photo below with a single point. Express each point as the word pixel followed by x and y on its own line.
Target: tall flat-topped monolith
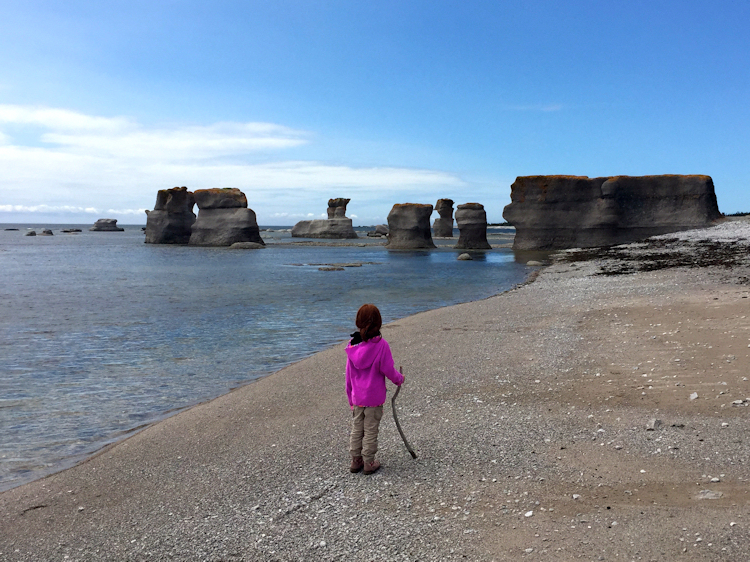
pixel 337 208
pixel 409 227
pixel 223 218
pixel 471 220
pixel 172 219
pixel 336 226
pixel 443 226
pixel 557 212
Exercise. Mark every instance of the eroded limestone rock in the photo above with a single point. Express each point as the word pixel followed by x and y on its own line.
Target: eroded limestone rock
pixel 443 226
pixel 223 218
pixel 337 208
pixel 409 226
pixel 336 226
pixel 340 228
pixel 557 212
pixel 172 219
pixel 106 225
pixel 471 220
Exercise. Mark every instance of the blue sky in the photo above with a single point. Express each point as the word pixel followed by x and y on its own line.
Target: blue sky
pixel 296 102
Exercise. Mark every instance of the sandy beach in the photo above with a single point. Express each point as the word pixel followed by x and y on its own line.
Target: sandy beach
pixel 599 412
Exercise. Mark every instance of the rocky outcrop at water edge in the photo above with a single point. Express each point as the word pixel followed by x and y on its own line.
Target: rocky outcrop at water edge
pixel 558 212
pixel 106 225
pixel 471 220
pixel 443 226
pixel 172 219
pixel 336 226
pixel 409 227
pixel 223 218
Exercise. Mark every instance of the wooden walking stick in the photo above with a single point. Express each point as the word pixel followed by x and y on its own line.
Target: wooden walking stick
pixel 395 418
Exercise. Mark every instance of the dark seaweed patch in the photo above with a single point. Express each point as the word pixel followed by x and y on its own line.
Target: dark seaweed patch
pixel 661 253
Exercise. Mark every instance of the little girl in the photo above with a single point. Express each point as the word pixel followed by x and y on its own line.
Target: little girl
pixel 368 362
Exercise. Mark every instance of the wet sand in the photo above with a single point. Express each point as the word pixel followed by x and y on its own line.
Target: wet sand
pixel 552 422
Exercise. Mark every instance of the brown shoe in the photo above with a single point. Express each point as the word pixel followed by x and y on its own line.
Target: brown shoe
pixel 357 464
pixel 371 467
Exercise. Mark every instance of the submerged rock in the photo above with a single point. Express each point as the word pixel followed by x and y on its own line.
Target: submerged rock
pixel 247 246
pixel 46 232
pixel 172 219
pixel 558 212
pixel 409 227
pixel 471 219
pixel 223 218
pixel 30 233
pixel 106 225
pixel 443 226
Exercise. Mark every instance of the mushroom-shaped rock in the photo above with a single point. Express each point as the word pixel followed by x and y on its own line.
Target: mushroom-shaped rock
pixel 172 219
pixel 443 226
pixel 472 227
pixel 557 212
pixel 223 218
pixel 337 208
pixel 106 225
pixel 409 226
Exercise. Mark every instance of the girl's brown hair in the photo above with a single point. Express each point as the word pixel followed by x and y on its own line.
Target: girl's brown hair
pixel 369 321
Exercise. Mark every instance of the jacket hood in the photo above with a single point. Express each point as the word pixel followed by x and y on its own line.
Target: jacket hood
pixel 364 354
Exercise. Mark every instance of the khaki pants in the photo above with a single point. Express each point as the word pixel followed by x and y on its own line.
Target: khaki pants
pixel 363 441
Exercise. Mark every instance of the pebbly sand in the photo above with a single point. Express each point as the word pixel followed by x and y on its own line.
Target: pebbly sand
pixel 552 422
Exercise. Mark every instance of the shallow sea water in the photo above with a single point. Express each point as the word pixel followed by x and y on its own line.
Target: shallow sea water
pixel 101 333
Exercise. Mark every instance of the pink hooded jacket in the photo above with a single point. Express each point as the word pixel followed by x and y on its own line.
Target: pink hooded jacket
pixel 367 365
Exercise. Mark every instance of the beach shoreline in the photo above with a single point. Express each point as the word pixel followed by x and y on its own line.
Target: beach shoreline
pixel 554 421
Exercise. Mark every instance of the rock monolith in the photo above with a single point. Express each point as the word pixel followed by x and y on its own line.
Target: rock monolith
pixel 171 221
pixel 337 208
pixel 336 226
pixel 106 225
pixel 557 212
pixel 443 226
pixel 471 220
pixel 223 218
pixel 409 227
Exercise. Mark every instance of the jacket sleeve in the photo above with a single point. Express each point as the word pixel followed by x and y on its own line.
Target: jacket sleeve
pixel 387 366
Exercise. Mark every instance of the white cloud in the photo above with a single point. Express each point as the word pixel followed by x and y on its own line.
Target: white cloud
pixel 82 164
pixel 66 209
pixel 60 119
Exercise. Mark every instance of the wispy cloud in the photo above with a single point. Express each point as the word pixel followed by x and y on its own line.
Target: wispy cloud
pixel 66 209
pixel 61 161
pixel 76 133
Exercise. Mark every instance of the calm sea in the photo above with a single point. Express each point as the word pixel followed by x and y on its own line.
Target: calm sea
pixel 101 333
